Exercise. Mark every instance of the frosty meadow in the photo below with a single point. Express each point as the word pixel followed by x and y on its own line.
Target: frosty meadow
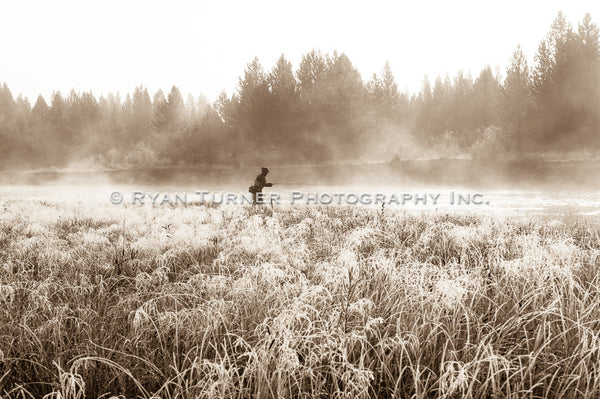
pixel 393 200
pixel 311 301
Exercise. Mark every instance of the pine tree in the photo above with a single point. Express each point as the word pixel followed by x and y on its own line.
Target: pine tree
pixel 7 106
pixel 40 109
pixel 310 73
pixel 516 100
pixel 160 118
pixel 140 124
pixel 486 92
pixel 283 103
pixel 176 109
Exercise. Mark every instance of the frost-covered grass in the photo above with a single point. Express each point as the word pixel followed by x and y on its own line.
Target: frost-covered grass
pixel 190 302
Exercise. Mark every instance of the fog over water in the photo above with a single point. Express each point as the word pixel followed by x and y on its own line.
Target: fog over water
pixel 548 204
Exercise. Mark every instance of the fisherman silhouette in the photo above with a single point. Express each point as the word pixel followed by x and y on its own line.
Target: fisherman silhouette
pixel 259 183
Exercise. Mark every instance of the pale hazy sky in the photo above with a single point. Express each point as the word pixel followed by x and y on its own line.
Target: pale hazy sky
pixel 203 46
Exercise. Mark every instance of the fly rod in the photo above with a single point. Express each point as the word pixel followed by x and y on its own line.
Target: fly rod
pixel 308 184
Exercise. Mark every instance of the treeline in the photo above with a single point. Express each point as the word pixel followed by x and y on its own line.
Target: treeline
pixel 324 111
pixel 138 130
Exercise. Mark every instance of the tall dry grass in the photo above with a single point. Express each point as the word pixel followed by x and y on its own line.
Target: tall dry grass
pixel 191 302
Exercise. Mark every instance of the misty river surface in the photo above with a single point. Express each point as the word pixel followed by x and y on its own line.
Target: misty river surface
pixel 547 204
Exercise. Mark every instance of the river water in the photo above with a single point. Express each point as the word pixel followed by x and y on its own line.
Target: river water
pixel 547 204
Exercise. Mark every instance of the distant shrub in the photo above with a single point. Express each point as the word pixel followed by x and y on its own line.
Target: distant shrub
pixel 492 144
pixel 137 156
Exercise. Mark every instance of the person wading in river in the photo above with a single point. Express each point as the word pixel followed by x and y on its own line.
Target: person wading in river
pixel 259 183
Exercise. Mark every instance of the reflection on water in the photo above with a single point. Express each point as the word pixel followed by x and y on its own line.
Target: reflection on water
pixel 547 204
pixel 560 205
